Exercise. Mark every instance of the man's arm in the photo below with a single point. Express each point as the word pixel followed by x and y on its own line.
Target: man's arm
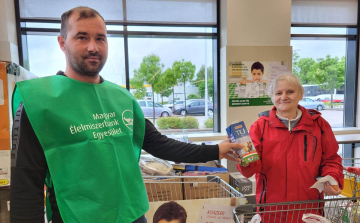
pixel 28 171
pixel 170 149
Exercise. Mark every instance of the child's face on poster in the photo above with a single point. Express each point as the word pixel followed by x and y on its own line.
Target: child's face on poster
pixel 257 75
pixel 172 221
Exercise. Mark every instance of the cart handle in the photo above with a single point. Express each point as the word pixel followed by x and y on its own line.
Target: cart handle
pixel 351 169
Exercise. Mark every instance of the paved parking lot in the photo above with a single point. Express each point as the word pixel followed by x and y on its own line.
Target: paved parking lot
pixel 333 116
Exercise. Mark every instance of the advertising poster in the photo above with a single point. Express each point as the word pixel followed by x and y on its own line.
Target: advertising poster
pixel 249 81
pixel 5 126
pixel 10 73
pixel 211 210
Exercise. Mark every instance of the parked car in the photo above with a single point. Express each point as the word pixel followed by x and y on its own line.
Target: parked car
pixel 194 106
pixel 147 108
pixel 169 105
pixel 327 98
pixel 177 104
pixel 311 104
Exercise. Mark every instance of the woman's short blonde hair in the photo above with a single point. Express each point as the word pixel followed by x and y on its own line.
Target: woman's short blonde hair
pixel 290 78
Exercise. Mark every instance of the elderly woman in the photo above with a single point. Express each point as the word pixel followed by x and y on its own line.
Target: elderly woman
pixel 295 146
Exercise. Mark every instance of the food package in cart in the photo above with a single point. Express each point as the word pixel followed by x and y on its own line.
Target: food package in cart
pixel 239 134
pixel 152 166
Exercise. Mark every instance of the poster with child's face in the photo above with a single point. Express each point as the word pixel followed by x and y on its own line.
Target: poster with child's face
pixel 216 210
pixel 249 81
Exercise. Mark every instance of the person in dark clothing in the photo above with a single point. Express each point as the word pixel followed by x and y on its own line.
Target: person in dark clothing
pixel 37 155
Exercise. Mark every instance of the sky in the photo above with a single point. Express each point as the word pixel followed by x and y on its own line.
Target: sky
pixel 318 47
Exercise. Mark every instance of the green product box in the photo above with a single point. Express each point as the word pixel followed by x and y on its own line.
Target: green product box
pixel 238 134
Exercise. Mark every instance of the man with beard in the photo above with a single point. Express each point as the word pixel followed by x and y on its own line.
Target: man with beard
pixel 83 136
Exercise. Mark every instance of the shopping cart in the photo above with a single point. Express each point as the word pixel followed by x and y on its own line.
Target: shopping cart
pixel 351 176
pixel 339 209
pixel 344 210
pixel 168 188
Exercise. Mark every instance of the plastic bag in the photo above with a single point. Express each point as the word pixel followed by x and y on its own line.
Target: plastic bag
pixel 255 219
pixel 151 166
pixel 313 218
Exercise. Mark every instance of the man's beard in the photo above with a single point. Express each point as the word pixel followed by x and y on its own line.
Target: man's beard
pixel 80 66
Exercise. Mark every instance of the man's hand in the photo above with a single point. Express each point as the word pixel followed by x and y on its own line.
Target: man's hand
pixel 330 190
pixel 225 147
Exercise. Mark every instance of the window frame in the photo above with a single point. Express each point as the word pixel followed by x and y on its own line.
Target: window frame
pixel 23 31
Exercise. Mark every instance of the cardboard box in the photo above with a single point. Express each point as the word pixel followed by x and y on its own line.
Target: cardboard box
pixel 237 132
pixel 195 189
pixel 250 198
pixel 242 184
pixel 164 190
pixel 199 188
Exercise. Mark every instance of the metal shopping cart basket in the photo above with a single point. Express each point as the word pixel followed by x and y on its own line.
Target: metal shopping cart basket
pixel 351 176
pixel 339 209
pixel 168 188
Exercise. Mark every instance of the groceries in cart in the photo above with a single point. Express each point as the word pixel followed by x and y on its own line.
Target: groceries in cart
pixel 238 133
pixel 151 166
pixel 188 167
pixel 202 173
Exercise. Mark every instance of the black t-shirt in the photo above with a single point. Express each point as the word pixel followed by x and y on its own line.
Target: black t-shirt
pixel 29 166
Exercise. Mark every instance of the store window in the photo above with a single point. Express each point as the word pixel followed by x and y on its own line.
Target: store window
pixel 181 43
pixel 175 71
pixel 46 58
pixel 323 37
pixel 324 34
pixel 320 65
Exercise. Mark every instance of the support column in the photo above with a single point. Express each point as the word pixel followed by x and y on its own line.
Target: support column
pixel 254 30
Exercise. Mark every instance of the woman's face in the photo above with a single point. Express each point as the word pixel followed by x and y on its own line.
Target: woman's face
pixel 286 97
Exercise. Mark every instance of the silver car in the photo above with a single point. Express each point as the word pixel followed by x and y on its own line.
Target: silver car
pixel 147 108
pixel 169 105
pixel 311 104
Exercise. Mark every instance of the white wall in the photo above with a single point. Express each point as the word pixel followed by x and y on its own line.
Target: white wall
pixel 255 23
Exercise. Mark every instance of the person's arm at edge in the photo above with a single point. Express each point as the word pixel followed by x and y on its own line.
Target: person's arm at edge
pixel 28 171
pixel 170 149
pixel 254 167
pixel 330 160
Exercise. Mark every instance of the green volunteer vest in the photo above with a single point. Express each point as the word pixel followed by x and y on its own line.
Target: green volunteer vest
pixel 92 136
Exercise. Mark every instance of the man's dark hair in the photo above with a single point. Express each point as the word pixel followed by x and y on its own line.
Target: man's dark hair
pixel 257 66
pixel 170 211
pixel 84 13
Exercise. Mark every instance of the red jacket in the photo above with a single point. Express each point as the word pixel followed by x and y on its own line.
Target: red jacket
pixel 291 160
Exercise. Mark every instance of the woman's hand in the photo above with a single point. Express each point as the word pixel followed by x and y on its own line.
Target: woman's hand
pixel 329 190
pixel 237 159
